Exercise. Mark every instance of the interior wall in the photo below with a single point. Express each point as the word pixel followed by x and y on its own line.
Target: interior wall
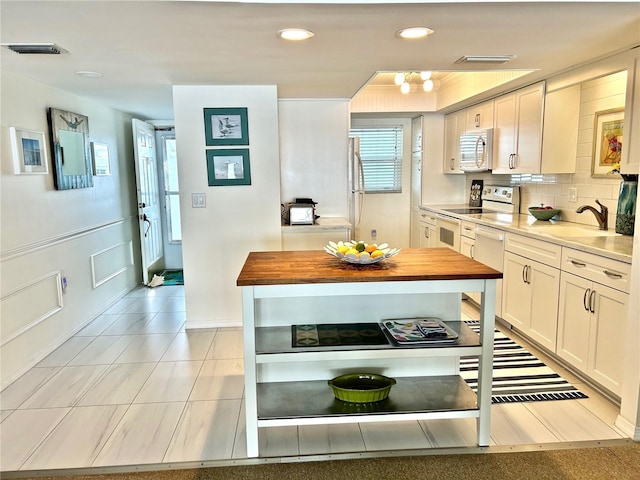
pixel 88 236
pixel 313 153
pixel 237 219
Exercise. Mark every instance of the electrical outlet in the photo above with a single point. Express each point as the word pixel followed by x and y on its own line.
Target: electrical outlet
pixel 198 200
pixel 374 234
pixel 573 194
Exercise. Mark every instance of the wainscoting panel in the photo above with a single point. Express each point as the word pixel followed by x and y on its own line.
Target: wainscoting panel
pixel 111 262
pixel 30 304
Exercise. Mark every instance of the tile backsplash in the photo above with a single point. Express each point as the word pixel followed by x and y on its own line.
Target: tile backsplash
pixel 596 95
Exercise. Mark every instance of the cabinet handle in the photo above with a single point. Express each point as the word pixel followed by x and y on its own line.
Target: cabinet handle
pixel 587 293
pixel 423 215
pixel 477 120
pixel 426 232
pixel 529 274
pixel 575 263
pixel 613 275
pixel 451 163
pixel 524 274
pixel 592 301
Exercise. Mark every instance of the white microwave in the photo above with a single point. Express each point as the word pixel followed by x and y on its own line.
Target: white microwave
pixel 476 150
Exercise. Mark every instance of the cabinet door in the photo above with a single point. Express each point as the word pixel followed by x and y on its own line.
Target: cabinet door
pixel 516 293
pixel 606 352
pixel 466 248
pixel 529 129
pixel 425 235
pixel 545 283
pixel 479 117
pixel 453 127
pixel 574 320
pixel 504 139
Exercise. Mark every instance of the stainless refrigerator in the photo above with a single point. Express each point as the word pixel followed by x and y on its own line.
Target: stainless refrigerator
pixel 355 176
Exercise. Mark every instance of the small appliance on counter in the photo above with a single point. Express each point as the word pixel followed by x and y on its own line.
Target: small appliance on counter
pixel 301 212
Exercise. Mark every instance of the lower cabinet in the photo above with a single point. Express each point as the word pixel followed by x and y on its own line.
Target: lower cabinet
pixel 530 298
pixel 428 236
pixel 591 329
pixel 467 244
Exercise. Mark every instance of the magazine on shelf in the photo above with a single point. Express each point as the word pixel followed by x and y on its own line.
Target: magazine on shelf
pixel 419 331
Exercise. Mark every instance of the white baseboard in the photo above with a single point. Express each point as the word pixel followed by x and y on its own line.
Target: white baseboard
pixel 209 325
pixel 633 431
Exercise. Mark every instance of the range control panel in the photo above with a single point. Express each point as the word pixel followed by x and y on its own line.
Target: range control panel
pixel 501 198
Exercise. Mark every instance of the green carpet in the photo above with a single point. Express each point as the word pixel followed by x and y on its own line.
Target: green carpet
pixel 173 277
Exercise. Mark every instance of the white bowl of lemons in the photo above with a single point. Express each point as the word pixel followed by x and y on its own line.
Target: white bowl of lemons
pixel 360 253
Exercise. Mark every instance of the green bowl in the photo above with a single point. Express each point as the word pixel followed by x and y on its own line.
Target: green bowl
pixel 361 387
pixel 543 213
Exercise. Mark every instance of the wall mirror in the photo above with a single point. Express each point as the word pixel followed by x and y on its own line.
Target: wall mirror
pixel 69 134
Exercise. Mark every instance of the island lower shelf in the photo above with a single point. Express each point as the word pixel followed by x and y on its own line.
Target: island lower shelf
pixel 412 398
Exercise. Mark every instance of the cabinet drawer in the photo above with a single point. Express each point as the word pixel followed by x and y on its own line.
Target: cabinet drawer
pixel 605 271
pixel 468 229
pixel 428 217
pixel 538 250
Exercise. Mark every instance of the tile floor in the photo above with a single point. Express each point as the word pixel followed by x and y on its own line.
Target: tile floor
pixel 133 387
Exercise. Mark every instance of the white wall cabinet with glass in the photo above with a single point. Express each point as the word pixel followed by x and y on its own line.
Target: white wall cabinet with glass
pixel 530 288
pixel 592 316
pixel 454 125
pixel 517 146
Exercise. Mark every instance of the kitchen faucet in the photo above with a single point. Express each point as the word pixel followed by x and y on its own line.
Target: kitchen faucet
pixel 602 216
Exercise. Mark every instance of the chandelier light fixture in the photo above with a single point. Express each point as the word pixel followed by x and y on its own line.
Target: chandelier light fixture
pixel 402 79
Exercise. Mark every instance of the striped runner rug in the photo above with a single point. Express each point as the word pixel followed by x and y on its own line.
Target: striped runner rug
pixel 518 376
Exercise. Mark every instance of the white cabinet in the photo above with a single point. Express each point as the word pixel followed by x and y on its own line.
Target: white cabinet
pixel 560 130
pixel 428 227
pixel 592 316
pixel 518 131
pixel 480 116
pixel 530 288
pixel 630 162
pixel 467 244
pixel 454 125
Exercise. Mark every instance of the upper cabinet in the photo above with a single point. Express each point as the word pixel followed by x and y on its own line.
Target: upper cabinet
pixel 454 125
pixel 630 162
pixel 518 130
pixel 479 117
pixel 560 131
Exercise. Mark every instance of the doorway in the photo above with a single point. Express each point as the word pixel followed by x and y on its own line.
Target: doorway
pixel 169 198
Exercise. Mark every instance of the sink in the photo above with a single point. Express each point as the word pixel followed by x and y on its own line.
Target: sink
pixel 571 231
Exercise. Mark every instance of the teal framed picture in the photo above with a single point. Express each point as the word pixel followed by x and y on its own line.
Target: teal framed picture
pixel 228 167
pixel 226 126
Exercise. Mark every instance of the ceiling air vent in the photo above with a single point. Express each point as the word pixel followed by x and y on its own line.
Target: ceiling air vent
pixel 35 48
pixel 485 59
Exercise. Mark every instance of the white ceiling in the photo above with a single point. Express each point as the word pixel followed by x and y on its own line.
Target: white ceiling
pixel 142 48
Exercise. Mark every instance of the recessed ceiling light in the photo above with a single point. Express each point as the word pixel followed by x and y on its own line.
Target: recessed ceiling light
pixel 88 74
pixel 414 32
pixel 295 34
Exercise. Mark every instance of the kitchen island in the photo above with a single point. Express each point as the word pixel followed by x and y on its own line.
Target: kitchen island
pixel 287 385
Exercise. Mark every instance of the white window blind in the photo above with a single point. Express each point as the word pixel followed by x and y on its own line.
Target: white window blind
pixel 381 154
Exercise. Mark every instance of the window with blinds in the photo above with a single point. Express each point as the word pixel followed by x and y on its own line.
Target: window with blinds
pixel 381 154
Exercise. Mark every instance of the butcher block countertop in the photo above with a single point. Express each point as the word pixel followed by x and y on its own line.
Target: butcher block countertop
pixel 317 266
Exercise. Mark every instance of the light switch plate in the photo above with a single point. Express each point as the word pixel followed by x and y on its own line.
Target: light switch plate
pixel 573 194
pixel 198 200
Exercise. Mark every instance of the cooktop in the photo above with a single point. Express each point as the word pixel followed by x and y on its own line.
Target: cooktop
pixel 465 211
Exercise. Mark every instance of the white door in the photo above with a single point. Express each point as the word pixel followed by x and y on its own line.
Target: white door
pixel 144 148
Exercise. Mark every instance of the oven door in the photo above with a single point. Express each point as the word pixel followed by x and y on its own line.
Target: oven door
pixel 448 232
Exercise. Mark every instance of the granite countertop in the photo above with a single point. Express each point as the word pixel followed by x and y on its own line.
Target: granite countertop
pixel 575 235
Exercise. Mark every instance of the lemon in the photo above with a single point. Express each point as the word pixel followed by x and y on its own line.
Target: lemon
pixel 352 251
pixel 377 253
pixel 343 249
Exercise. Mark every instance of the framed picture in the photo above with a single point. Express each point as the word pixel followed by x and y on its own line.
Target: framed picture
pixel 228 167
pixel 607 141
pixel 70 149
pixel 29 152
pixel 226 126
pixel 100 156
